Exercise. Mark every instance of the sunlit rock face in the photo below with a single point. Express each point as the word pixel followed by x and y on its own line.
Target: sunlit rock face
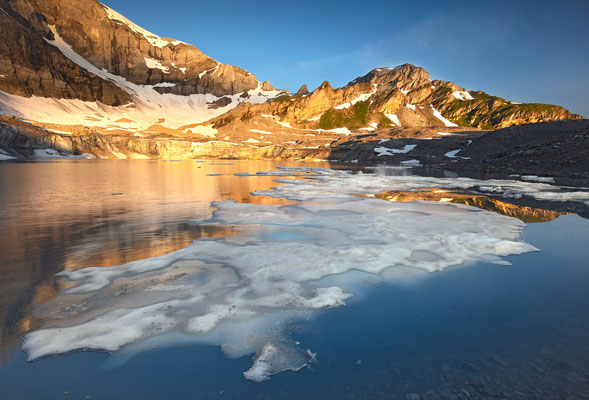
pixel 82 63
pixel 241 291
pixel 110 41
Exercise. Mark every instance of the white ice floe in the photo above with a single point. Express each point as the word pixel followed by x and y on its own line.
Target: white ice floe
pixel 385 151
pixel 251 140
pixel 410 106
pixel 411 163
pixel 439 116
pixel 285 262
pixel 273 358
pixel 462 95
pixel 317 118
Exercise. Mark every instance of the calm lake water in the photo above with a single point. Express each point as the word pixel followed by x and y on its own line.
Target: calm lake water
pixel 479 330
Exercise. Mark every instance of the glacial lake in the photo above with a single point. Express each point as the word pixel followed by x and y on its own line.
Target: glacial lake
pixel 137 279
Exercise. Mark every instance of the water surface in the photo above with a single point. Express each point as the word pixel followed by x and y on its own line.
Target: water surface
pixel 476 331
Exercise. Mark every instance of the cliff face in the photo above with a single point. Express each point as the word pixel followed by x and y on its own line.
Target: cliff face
pixel 88 56
pixel 29 66
pixel 78 68
pixel 110 41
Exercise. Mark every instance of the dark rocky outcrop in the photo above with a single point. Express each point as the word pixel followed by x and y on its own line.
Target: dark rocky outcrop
pixel 303 91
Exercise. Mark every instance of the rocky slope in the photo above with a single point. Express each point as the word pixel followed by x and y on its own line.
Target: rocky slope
pixel 103 68
pixel 78 78
pixel 403 96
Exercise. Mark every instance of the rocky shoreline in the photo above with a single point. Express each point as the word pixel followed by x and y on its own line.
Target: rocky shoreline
pixel 556 149
pixel 553 152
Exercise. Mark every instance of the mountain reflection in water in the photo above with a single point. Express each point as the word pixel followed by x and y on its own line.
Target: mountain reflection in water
pixel 524 213
pixel 67 215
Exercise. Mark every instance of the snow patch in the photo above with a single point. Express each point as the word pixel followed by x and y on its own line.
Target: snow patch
pixel 156 64
pixel 259 131
pixel 362 97
pixel 411 163
pixel 165 85
pixel 205 130
pixel 155 40
pixel 448 134
pixel 212 70
pixel 5 156
pixel 394 119
pixel 384 151
pixel 452 154
pixel 439 116
pixel 534 178
pixel 462 95
pixel 147 108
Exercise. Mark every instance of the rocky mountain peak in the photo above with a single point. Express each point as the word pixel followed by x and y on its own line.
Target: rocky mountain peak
pixel 405 77
pixel 325 86
pixel 111 42
pixel 303 91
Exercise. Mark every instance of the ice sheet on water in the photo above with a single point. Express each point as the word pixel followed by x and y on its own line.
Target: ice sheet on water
pixel 241 291
pixel 273 358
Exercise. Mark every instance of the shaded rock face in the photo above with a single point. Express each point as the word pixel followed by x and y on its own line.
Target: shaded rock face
pixel 107 40
pixel 303 91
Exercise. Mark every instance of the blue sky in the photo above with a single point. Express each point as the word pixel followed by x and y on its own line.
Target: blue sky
pixel 526 51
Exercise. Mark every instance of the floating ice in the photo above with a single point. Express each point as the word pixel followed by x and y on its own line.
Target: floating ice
pixel 285 262
pixel 273 358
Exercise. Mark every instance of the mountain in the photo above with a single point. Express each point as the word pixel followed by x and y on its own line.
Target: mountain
pixel 80 62
pixel 403 96
pixel 77 77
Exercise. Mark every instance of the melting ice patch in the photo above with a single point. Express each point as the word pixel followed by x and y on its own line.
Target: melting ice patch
pixel 286 262
pixel 385 151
